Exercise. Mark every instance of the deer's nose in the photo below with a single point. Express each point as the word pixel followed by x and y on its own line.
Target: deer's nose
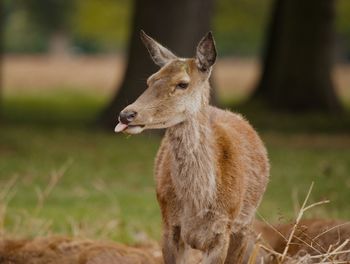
pixel 127 116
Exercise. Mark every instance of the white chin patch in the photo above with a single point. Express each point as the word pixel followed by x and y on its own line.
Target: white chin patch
pixel 133 130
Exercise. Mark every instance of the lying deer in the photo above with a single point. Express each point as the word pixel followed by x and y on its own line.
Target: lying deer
pixel 312 237
pixel 211 169
pixel 64 250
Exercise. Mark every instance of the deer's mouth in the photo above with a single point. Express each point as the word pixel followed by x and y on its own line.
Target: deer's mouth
pixel 130 129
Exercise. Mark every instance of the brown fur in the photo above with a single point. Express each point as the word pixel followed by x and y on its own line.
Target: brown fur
pixel 241 176
pixel 62 250
pixel 211 169
pixel 313 236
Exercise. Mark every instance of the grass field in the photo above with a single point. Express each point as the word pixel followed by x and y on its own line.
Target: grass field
pixel 79 180
pixel 60 174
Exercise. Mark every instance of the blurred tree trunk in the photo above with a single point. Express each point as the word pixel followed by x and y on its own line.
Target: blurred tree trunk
pixel 298 59
pixel 2 21
pixel 59 44
pixel 179 25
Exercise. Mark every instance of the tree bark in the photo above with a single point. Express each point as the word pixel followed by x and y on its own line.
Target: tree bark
pixel 179 25
pixel 298 60
pixel 2 21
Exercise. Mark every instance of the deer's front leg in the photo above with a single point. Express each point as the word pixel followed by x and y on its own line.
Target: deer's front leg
pixel 237 249
pixel 242 246
pixel 217 252
pixel 173 246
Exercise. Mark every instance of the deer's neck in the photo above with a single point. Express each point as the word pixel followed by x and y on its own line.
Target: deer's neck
pixel 193 165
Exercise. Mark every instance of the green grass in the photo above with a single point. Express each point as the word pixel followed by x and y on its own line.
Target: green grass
pixel 107 187
pixel 108 177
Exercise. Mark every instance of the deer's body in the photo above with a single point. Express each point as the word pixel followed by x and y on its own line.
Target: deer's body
pixel 65 250
pixel 211 174
pixel 211 169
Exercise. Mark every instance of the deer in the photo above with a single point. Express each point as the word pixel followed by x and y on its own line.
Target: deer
pixel 68 250
pixel 211 169
pixel 315 237
pixel 314 241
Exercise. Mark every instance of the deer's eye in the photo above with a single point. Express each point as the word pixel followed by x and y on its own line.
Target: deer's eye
pixel 182 85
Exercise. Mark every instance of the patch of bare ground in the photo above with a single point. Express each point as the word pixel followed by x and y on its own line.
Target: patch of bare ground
pixel 234 77
pixel 86 73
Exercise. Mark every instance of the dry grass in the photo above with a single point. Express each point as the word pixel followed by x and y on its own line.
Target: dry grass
pixel 310 247
pixel 335 253
pixel 29 223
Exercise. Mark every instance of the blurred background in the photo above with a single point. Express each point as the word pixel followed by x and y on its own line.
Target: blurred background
pixel 68 67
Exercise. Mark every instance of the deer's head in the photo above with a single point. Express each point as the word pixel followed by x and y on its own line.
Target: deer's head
pixel 175 93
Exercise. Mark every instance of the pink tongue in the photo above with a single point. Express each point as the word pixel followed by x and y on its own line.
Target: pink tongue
pixel 120 127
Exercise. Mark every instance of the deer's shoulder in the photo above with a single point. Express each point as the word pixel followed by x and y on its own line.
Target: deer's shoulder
pixel 226 117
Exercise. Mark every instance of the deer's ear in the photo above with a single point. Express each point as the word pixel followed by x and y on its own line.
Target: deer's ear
pixel 159 54
pixel 206 52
